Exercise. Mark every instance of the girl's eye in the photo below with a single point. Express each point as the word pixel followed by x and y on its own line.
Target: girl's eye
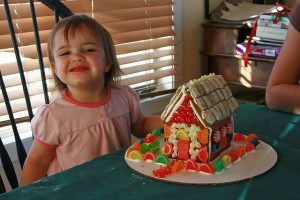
pixel 64 53
pixel 89 50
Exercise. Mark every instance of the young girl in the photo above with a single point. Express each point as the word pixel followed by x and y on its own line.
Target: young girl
pixel 92 116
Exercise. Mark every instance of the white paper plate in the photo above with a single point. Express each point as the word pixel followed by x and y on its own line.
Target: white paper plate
pixel 253 164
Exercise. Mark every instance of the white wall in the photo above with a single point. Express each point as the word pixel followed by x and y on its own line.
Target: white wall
pixel 192 18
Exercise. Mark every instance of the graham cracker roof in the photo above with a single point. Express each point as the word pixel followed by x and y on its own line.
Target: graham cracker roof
pixel 210 94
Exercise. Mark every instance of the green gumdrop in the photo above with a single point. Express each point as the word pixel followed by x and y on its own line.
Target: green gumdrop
pixel 155 151
pixel 219 166
pixel 156 132
pixel 144 147
pixel 154 145
pixel 163 159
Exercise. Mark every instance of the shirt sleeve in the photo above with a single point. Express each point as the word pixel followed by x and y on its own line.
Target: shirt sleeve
pixel 44 128
pixel 134 104
pixel 294 16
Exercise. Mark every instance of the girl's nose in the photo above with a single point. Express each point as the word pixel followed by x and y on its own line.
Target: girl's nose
pixel 78 57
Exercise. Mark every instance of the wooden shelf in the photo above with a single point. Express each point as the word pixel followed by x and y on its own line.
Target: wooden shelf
pixel 239 57
pixel 219 56
pixel 227 26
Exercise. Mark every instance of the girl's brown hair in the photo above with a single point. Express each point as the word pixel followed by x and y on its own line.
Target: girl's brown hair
pixel 76 23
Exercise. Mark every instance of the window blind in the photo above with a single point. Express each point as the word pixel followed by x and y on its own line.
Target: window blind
pixel 25 37
pixel 143 35
pixel 142 31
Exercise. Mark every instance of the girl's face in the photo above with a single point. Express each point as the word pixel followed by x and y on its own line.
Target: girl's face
pixel 79 63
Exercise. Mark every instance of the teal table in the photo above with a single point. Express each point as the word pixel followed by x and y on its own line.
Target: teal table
pixel 108 177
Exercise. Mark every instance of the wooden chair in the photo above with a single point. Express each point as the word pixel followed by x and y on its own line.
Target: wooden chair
pixel 59 10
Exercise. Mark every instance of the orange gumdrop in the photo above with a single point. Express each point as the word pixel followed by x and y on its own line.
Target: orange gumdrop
pixel 203 136
pixel 241 151
pixel 137 146
pixel 167 130
pixel 128 151
pixel 178 166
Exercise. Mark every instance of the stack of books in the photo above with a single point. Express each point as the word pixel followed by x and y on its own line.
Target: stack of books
pixel 266 28
pixel 269 37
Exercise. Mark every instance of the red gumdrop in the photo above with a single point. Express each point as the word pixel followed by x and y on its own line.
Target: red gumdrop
pixel 183 113
pixel 234 156
pixel 239 137
pixel 177 120
pixel 190 114
pixel 175 114
pixel 187 120
pixel 187 97
pixel 249 147
pixel 180 108
pixel 194 120
pixel 185 103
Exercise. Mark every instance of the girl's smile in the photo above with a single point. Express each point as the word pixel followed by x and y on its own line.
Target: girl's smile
pixel 78 69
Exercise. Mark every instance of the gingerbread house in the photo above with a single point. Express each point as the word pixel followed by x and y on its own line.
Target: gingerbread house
pixel 198 121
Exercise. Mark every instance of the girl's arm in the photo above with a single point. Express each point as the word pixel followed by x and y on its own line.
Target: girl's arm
pixel 283 91
pixel 145 125
pixel 37 163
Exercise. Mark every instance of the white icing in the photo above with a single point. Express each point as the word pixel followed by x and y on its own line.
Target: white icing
pixel 209 142
pixel 174 130
pixel 179 102
pixel 204 173
pixel 228 166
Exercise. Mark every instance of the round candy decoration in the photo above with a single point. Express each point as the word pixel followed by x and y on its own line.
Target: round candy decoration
pixel 228 127
pixel 216 136
pixel 223 131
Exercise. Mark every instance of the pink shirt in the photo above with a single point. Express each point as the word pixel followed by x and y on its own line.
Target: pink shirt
pixel 81 131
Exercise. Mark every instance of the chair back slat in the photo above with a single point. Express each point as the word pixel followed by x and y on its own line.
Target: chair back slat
pixel 8 167
pixel 2 187
pixel 18 58
pixel 20 147
pixel 39 51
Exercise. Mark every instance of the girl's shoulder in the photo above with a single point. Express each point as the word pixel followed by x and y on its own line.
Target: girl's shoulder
pixel 45 110
pixel 53 105
pixel 125 90
pixel 124 96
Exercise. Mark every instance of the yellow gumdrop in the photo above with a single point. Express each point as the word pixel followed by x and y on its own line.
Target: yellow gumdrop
pixel 163 150
pixel 227 160
pixel 183 134
pixel 135 155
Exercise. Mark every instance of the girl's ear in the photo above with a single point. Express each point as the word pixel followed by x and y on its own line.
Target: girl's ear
pixel 53 67
pixel 107 66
